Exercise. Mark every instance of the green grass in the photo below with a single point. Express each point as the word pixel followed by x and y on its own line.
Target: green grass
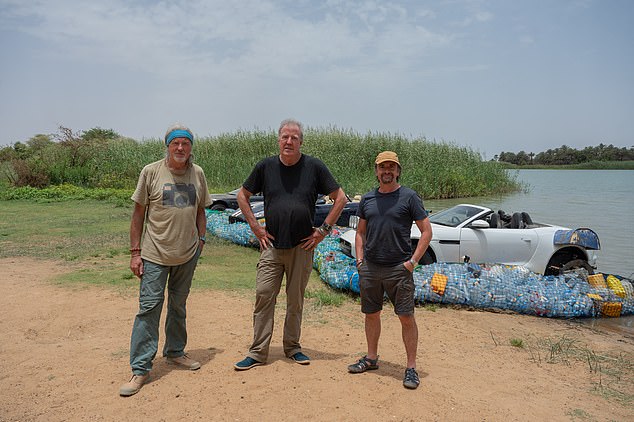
pixel 613 374
pixel 93 238
pixel 70 231
pixel 517 342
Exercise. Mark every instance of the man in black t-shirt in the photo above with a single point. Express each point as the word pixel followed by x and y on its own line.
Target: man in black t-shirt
pixel 385 260
pixel 290 183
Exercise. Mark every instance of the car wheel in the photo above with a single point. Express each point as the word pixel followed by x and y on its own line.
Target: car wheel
pixel 576 266
pixel 218 207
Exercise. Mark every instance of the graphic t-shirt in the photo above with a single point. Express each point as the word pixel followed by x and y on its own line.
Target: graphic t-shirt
pixel 171 235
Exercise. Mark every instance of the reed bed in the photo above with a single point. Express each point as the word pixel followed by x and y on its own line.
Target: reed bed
pixel 434 169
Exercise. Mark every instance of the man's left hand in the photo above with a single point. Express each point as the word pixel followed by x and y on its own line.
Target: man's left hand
pixel 311 242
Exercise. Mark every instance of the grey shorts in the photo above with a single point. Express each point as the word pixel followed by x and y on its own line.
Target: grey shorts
pixel 395 280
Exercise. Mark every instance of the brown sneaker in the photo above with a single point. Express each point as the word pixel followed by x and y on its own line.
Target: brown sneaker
pixel 184 361
pixel 134 385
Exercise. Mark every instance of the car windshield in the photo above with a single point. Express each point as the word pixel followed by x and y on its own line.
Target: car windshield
pixel 454 216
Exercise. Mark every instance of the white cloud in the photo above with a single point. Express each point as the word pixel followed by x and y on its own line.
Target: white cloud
pixel 215 37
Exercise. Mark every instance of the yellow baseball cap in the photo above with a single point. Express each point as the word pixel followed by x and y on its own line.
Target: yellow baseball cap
pixel 387 156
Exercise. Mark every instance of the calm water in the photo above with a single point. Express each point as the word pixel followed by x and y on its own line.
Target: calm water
pixel 602 200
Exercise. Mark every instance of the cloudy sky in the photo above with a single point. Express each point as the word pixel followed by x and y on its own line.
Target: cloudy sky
pixel 492 75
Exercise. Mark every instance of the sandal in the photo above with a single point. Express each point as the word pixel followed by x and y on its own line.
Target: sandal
pixel 364 364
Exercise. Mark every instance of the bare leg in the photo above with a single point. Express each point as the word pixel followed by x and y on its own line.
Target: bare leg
pixel 372 333
pixel 410 338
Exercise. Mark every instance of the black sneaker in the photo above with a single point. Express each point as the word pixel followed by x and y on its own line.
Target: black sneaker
pixel 364 364
pixel 411 379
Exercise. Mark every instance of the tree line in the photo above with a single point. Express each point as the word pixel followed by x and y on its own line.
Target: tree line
pixel 564 155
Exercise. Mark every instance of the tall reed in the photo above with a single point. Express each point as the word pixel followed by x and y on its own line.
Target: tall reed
pixel 433 169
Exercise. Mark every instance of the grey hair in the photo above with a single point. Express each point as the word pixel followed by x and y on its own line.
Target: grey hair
pixel 292 122
pixel 176 126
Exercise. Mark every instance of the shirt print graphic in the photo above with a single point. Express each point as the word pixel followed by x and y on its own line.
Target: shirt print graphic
pixel 179 195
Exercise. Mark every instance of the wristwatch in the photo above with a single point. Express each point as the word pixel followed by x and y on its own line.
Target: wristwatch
pixel 325 228
pixel 413 262
pixel 203 238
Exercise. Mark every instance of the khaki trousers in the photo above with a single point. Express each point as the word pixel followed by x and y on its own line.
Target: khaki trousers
pixel 297 264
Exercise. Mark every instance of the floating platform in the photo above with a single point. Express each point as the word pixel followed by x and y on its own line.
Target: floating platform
pixel 492 286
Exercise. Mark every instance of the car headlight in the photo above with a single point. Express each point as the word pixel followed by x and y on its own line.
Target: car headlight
pixel 353 221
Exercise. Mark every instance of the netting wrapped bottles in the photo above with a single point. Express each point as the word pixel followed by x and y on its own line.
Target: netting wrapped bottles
pixel 482 286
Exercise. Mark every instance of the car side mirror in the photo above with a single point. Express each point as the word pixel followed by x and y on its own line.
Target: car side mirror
pixel 479 224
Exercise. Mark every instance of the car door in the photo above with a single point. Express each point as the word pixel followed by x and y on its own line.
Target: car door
pixel 498 245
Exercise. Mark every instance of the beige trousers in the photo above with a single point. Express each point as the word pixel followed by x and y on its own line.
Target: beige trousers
pixel 297 264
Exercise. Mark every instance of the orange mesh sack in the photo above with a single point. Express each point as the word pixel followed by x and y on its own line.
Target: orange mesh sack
pixel 616 286
pixel 597 280
pixel 438 283
pixel 611 309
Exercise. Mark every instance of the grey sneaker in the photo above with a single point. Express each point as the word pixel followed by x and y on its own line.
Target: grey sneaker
pixel 184 361
pixel 411 379
pixel 134 385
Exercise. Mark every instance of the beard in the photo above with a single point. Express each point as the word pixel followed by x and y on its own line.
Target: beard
pixel 387 178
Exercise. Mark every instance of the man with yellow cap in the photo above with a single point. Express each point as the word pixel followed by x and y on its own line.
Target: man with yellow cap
pixel 385 261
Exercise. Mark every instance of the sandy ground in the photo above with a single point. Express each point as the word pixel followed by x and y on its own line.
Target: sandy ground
pixel 64 354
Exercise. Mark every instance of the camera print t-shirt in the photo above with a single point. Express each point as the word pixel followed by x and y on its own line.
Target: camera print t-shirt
pixel 171 235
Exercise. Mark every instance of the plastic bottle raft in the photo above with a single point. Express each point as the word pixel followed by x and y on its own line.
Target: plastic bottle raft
pixel 488 286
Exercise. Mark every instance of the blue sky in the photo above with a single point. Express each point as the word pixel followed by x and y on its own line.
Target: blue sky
pixel 492 75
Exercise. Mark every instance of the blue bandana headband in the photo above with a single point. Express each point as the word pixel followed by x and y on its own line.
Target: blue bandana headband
pixel 179 133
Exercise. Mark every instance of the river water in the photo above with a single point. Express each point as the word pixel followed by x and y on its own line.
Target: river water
pixel 602 200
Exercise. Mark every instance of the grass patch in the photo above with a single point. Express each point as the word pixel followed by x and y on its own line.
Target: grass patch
pixel 226 266
pixel 579 415
pixel 517 342
pixel 93 238
pixel 613 374
pixel 325 296
pixel 70 231
pixel 431 307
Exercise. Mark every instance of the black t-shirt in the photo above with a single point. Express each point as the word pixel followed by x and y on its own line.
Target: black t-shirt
pixel 289 194
pixel 389 219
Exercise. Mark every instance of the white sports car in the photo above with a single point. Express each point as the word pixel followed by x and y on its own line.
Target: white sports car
pixel 485 236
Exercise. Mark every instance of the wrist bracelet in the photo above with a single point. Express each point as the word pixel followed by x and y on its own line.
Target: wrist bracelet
pixel 135 250
pixel 414 263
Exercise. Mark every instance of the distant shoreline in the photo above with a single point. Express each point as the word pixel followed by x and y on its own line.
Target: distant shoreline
pixel 591 165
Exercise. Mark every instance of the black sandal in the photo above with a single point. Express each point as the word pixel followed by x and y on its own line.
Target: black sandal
pixel 364 364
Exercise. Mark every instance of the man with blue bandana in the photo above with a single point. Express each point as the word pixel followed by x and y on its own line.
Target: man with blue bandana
pixel 167 235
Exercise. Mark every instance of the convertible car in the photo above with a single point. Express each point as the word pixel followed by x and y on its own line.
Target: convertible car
pixel 229 200
pixel 483 236
pixel 322 208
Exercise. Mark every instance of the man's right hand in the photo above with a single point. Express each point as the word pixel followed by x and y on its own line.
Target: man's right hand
pixel 263 236
pixel 136 265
